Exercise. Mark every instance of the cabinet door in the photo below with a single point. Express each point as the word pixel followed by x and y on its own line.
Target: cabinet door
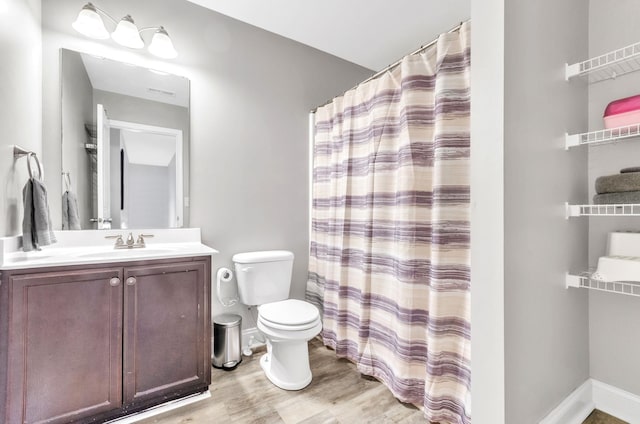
pixel 166 331
pixel 65 358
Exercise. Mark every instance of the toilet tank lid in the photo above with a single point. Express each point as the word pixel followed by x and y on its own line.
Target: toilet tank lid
pixel 263 256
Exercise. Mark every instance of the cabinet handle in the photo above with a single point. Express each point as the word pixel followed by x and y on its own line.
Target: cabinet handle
pixel 114 281
pixel 131 281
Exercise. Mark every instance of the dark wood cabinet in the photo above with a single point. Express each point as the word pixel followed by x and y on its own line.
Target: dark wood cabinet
pixel 65 338
pixel 87 344
pixel 165 332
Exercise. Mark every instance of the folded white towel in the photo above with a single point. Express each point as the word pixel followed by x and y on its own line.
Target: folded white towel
pixel 618 268
pixel 36 224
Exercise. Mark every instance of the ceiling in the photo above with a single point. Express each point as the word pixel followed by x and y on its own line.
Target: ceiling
pixel 147 148
pixel 370 33
pixel 131 80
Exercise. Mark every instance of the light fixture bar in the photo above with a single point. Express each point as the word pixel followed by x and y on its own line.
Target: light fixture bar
pixel 126 33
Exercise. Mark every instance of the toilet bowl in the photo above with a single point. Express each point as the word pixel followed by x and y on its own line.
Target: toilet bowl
pixel 287 326
pixel 264 279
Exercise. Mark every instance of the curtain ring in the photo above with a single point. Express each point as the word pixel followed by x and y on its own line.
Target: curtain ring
pixel 29 156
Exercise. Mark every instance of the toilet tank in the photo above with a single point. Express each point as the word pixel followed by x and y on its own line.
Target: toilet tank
pixel 263 277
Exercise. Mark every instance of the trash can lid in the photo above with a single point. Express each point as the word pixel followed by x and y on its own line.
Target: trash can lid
pixel 227 320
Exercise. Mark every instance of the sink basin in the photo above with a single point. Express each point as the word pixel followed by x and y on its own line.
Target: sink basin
pixel 123 253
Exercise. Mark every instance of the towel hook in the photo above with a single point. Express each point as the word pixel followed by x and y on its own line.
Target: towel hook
pixel 19 152
pixel 33 155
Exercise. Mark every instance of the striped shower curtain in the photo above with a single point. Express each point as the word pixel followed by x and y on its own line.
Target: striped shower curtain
pixel 389 263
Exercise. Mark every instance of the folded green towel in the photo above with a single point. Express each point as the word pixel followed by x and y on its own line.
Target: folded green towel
pixel 629 181
pixel 617 198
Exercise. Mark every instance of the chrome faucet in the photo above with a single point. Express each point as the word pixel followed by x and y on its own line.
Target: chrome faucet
pixel 129 243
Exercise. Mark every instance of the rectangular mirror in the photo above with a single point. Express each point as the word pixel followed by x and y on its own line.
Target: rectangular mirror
pixel 125 143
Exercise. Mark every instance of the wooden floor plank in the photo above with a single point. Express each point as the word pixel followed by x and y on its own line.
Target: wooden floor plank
pixel 599 417
pixel 337 394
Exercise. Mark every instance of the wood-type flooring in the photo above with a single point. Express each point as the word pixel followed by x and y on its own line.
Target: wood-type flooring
pixel 337 394
pixel 599 417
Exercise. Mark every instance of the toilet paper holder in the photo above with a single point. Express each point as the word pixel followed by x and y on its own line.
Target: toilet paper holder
pixel 224 275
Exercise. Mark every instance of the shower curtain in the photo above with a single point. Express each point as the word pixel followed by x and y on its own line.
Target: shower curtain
pixel 389 260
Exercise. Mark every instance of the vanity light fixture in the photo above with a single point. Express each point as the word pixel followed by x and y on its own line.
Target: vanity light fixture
pixel 126 33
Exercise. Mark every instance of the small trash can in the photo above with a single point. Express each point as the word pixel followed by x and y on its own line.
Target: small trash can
pixel 227 341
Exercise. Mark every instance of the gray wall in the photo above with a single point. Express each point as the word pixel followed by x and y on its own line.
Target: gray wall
pixel 77 103
pixel 546 328
pixel 21 105
pixel 147 197
pixel 20 119
pixel 251 92
pixel 613 319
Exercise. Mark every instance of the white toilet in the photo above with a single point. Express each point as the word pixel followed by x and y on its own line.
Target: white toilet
pixel 264 279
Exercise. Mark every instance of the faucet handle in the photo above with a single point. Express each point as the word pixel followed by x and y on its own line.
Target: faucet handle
pixel 130 239
pixel 141 237
pixel 118 237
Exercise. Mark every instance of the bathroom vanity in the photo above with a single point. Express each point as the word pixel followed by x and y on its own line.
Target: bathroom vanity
pixel 92 336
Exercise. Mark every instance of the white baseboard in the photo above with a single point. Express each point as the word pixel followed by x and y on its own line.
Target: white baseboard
pixel 594 394
pixel 616 402
pixel 575 408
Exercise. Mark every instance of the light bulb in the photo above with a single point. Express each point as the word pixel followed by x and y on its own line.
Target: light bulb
pixel 126 34
pixel 89 23
pixel 161 45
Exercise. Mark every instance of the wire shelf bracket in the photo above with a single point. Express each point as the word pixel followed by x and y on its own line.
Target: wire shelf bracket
pixel 627 209
pixel 609 135
pixel 584 280
pixel 607 66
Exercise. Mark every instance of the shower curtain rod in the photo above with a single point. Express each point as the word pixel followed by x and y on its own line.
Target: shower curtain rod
pixel 393 65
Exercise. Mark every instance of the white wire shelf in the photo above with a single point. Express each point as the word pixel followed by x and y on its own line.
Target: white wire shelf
pixel 607 66
pixel 610 135
pixel 584 280
pixel 627 209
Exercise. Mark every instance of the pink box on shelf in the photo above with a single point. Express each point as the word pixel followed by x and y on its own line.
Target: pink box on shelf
pixel 622 112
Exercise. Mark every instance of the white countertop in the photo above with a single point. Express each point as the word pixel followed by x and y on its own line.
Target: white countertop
pixel 91 247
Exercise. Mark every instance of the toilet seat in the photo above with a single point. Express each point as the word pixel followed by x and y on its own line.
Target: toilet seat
pixel 289 315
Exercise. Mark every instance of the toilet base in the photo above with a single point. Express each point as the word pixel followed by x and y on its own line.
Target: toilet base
pixel 294 375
